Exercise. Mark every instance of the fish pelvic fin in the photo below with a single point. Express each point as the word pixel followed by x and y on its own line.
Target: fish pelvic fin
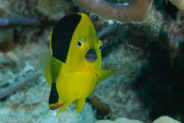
pixel 55 106
pixel 105 74
pixel 50 67
pixel 80 104
pixel 64 107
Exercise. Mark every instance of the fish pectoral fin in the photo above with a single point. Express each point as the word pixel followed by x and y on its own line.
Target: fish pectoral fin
pixel 80 104
pixel 50 67
pixel 105 74
pixel 64 107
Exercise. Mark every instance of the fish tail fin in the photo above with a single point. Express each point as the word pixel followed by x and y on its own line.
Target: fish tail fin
pixel 105 74
pixel 80 104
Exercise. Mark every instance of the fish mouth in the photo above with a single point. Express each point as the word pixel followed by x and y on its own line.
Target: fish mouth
pixel 91 55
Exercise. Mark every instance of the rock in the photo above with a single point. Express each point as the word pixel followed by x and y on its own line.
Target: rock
pixel 104 121
pixel 125 120
pixel 119 120
pixel 165 119
pixel 162 119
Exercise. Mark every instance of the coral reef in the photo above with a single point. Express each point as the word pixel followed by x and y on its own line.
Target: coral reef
pixel 137 10
pixel 178 3
pixel 149 55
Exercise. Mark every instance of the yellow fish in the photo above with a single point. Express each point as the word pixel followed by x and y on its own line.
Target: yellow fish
pixel 74 69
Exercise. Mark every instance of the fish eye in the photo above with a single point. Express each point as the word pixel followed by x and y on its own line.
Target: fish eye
pixel 79 43
pixel 100 48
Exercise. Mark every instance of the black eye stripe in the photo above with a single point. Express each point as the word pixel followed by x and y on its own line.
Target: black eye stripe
pixel 62 35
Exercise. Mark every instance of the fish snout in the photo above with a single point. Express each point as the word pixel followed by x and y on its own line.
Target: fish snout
pixel 91 55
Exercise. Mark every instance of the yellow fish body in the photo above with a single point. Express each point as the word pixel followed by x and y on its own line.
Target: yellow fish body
pixel 74 69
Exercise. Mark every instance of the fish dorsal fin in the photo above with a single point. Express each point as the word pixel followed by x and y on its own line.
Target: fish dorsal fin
pixel 105 74
pixel 50 67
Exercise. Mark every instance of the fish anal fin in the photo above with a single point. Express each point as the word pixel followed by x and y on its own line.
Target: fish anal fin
pixel 105 74
pixel 80 104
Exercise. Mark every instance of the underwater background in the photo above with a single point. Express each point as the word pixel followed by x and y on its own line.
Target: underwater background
pixel 149 53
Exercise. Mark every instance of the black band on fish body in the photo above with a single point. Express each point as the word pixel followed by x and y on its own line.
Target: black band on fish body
pixel 62 35
pixel 53 98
